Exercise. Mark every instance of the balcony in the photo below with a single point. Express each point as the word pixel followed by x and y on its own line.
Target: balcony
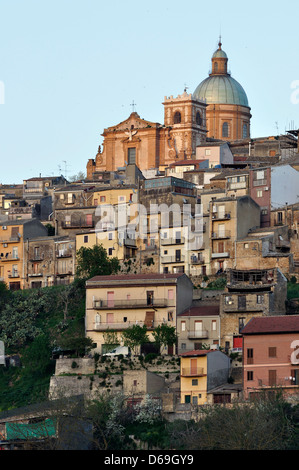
pixel 8 257
pixel 173 241
pixel 261 182
pixel 129 242
pixel 14 275
pixel 11 240
pixel 77 225
pixel 64 253
pixel 197 334
pixel 221 216
pixel 220 235
pixel 104 326
pixel 172 259
pixel 35 274
pixel 192 372
pixel 224 254
pixel 131 303
pixel 196 260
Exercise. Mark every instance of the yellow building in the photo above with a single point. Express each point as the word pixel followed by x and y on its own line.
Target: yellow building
pixel 119 301
pixel 13 237
pixel 201 371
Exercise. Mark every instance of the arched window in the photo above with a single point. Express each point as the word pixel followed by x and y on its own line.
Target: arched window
pixel 177 118
pixel 225 129
pixel 216 67
pixel 245 131
pixel 198 119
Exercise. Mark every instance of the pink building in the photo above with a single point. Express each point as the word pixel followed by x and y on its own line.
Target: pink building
pixel 270 359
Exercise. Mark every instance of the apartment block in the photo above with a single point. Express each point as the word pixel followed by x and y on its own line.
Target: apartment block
pixel 270 358
pixel 114 303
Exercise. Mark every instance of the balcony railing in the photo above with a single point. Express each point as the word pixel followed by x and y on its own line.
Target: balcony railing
pixel 131 303
pixel 172 259
pixel 63 253
pixel 196 260
pixel 224 254
pixel 221 216
pixel 173 241
pixel 223 234
pixel 192 372
pixel 14 275
pixel 261 182
pixel 11 240
pixel 196 334
pixel 9 258
pixel 104 326
pixel 79 224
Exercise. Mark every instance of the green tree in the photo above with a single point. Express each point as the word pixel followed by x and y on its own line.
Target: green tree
pixel 95 262
pixel 135 336
pixel 165 335
pixel 110 339
pixel 36 357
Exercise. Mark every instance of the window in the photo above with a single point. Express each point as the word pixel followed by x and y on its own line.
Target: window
pixel 259 299
pixel 110 251
pixel 246 246
pixel 110 236
pixel 85 239
pixel 103 199
pixel 170 294
pixel 245 131
pixel 187 398
pixel 259 193
pixel 214 325
pixel 242 301
pixel 70 198
pixel 272 378
pixel 216 67
pixel 272 351
pixel 207 152
pixel 194 382
pixel 15 252
pixel 183 345
pixel 241 323
pixel 95 202
pixel 150 297
pixel 225 129
pixel 228 300
pixel 198 119
pixel 250 375
pixel 183 326
pixel 177 118
pixel 249 356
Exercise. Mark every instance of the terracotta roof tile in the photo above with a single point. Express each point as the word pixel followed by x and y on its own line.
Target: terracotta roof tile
pixel 272 324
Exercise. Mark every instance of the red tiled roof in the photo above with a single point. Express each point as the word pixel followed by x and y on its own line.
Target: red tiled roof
pixel 201 310
pixel 273 324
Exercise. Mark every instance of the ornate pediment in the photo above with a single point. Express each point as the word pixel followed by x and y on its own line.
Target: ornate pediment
pixel 130 125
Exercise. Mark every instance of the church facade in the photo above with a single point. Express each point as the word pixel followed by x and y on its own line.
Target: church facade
pixel 217 109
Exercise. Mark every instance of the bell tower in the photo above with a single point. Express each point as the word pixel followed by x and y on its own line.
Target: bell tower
pixel 185 119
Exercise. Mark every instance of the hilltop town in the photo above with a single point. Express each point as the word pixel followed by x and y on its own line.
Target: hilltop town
pixel 203 220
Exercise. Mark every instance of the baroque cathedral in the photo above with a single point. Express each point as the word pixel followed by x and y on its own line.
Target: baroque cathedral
pixel 218 109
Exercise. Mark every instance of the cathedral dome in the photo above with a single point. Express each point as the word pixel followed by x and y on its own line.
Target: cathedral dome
pixel 220 87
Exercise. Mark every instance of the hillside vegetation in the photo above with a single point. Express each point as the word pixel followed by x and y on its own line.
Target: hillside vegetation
pixel 33 324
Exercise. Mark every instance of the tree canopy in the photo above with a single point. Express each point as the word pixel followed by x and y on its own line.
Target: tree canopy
pixel 95 262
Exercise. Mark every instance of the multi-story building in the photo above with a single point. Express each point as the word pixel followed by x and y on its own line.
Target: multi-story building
pixel 198 326
pixel 230 219
pixel 201 371
pixel 249 293
pixel 114 303
pixel 270 356
pixel 14 236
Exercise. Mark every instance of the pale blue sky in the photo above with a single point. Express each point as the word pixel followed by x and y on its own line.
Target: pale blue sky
pixel 72 68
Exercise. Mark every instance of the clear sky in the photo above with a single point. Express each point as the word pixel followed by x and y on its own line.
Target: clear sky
pixel 70 68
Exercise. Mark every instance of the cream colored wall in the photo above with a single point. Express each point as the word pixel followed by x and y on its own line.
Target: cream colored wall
pixel 186 382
